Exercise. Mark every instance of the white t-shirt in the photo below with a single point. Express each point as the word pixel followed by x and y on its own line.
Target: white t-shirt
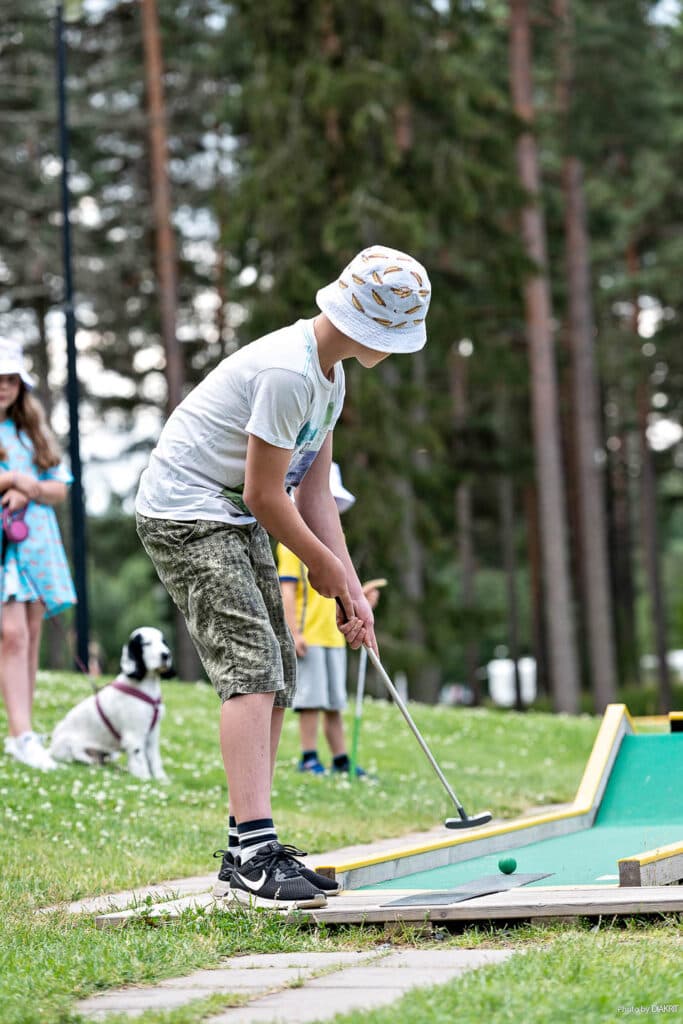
pixel 273 388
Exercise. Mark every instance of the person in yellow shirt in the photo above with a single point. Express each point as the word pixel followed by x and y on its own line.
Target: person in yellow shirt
pixel 320 653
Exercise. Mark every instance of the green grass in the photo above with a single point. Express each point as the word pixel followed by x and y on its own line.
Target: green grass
pixel 82 831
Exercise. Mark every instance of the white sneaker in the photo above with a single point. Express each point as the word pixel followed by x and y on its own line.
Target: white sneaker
pixel 29 749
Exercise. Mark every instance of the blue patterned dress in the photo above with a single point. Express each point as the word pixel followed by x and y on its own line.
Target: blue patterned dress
pixel 36 569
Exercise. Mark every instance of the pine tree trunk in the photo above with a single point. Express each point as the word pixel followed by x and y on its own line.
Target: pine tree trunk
pixel 587 427
pixel 589 446
pixel 506 494
pixel 649 526
pixel 539 626
pixel 565 672
pixel 650 535
pixel 463 520
pixel 166 259
pixel 621 550
pixel 189 666
pixel 411 565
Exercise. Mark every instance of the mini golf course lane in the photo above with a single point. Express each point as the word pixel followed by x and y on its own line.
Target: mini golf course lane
pixel 641 809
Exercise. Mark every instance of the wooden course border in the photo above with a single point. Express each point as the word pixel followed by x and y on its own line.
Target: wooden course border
pixel 374 907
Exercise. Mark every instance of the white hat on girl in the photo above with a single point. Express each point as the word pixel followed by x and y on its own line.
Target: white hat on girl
pixel 12 361
pixel 380 300
pixel 343 498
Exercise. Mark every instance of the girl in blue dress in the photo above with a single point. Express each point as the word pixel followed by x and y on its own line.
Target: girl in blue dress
pixel 35 581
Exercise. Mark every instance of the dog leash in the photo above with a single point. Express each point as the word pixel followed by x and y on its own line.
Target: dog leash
pixel 156 703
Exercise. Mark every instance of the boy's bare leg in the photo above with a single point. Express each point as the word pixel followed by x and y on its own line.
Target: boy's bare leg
pixel 276 723
pixel 333 725
pixel 250 732
pixel 308 729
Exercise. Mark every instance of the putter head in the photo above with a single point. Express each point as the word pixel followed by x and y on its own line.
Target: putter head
pixel 469 821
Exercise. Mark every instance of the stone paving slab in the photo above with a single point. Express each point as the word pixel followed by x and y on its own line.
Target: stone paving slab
pixel 244 975
pixel 357 988
pixel 353 980
pixel 172 889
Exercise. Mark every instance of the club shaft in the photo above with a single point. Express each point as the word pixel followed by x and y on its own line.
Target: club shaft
pixel 360 690
pixel 416 732
pixel 360 685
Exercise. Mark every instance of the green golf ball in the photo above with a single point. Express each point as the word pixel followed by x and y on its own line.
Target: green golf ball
pixel 507 865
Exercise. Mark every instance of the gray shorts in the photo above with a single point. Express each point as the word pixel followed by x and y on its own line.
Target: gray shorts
pixel 224 581
pixel 321 680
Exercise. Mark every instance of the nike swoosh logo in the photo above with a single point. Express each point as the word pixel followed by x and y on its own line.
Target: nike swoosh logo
pixel 254 886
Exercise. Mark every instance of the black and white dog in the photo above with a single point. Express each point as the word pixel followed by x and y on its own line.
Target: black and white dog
pixel 123 716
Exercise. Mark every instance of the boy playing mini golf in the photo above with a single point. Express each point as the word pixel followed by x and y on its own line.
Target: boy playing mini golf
pixel 219 480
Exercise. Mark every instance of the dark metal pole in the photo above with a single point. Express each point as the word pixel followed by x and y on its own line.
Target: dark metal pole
pixel 79 551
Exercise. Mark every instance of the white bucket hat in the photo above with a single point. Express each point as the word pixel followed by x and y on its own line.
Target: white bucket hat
pixel 380 300
pixel 12 361
pixel 343 497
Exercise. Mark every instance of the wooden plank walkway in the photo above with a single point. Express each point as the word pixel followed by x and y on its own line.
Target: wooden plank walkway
pixel 369 907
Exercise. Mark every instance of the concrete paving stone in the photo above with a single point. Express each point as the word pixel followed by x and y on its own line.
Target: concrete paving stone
pixel 469 959
pixel 137 1000
pixel 314 961
pixel 305 1005
pixel 379 984
pixel 374 977
pixel 234 980
pixel 244 974
pixel 410 969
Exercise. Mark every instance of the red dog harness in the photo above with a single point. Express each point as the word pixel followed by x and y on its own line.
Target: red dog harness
pixel 132 691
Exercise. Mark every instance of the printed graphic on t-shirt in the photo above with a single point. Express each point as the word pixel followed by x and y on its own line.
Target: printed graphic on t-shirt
pixel 299 467
pixel 308 444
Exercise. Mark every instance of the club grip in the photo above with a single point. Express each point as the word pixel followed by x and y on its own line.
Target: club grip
pixel 341 608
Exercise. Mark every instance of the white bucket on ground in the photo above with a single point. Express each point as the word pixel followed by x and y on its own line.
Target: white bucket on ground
pixel 501 676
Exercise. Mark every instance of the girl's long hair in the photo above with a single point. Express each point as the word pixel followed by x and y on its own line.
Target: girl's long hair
pixel 28 416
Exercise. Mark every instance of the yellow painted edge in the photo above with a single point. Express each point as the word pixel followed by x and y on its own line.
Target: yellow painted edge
pixel 675 716
pixel 582 804
pixel 652 856
pixel 489 833
pixel 597 762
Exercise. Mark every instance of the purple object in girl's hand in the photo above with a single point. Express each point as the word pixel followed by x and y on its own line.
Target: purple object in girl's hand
pixel 14 526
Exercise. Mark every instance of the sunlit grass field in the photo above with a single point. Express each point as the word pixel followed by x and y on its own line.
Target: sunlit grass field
pixel 83 831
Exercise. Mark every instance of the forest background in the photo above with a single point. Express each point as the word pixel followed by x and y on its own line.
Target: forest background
pixel 519 482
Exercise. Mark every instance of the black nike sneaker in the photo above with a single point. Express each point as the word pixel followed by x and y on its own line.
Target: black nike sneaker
pixel 222 884
pixel 322 882
pixel 272 878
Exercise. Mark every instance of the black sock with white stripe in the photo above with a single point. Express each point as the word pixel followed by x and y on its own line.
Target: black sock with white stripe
pixel 233 837
pixel 253 835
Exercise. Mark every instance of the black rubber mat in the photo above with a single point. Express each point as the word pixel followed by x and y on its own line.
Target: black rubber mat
pixel 485 886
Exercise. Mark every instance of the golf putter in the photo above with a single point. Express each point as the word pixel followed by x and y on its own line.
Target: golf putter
pixel 360 693
pixel 463 820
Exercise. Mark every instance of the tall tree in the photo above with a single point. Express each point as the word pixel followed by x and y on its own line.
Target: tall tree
pixel 586 418
pixel 564 672
pixel 463 514
pixel 166 262
pixel 166 256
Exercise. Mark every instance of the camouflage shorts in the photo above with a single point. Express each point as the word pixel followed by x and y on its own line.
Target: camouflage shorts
pixel 224 581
